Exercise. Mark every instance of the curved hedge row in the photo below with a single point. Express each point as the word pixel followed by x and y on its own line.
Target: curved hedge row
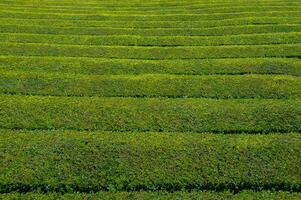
pixel 128 40
pixel 202 10
pixel 94 66
pixel 213 31
pixel 220 87
pixel 150 114
pixel 104 161
pixel 151 24
pixel 244 195
pixel 133 52
pixel 165 17
pixel 151 5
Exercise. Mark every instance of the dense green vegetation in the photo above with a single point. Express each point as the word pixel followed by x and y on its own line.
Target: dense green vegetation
pixel 128 40
pixel 245 195
pixel 212 31
pixel 95 161
pixel 101 66
pixel 150 114
pixel 149 85
pixel 138 52
pixel 152 24
pixel 169 99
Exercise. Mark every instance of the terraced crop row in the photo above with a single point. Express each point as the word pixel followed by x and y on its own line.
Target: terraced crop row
pixel 153 53
pixel 249 195
pixel 129 40
pixel 151 99
pixel 165 17
pixel 214 31
pixel 101 66
pixel 249 86
pixel 150 114
pixel 152 24
pixel 117 5
pixel 86 162
pixel 182 11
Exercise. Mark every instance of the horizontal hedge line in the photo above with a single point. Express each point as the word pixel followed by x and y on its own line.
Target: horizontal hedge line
pixel 90 162
pixel 221 87
pixel 94 66
pixel 150 114
pixel 244 195
pixel 166 17
pixel 105 10
pixel 129 40
pixel 140 7
pixel 135 52
pixel 212 10
pixel 151 5
pixel 151 24
pixel 218 31
pixel 175 6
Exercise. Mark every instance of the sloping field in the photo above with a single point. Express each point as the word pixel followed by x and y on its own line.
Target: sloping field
pixel 159 99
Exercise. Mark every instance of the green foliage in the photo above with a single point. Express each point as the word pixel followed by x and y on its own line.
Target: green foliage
pixel 152 24
pixel 98 66
pixel 212 31
pixel 165 17
pixel 94 161
pixel 121 11
pixel 214 86
pixel 128 52
pixel 248 39
pixel 202 98
pixel 150 114
pixel 194 195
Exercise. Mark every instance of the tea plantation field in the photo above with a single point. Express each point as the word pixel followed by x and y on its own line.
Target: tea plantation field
pixel 158 99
